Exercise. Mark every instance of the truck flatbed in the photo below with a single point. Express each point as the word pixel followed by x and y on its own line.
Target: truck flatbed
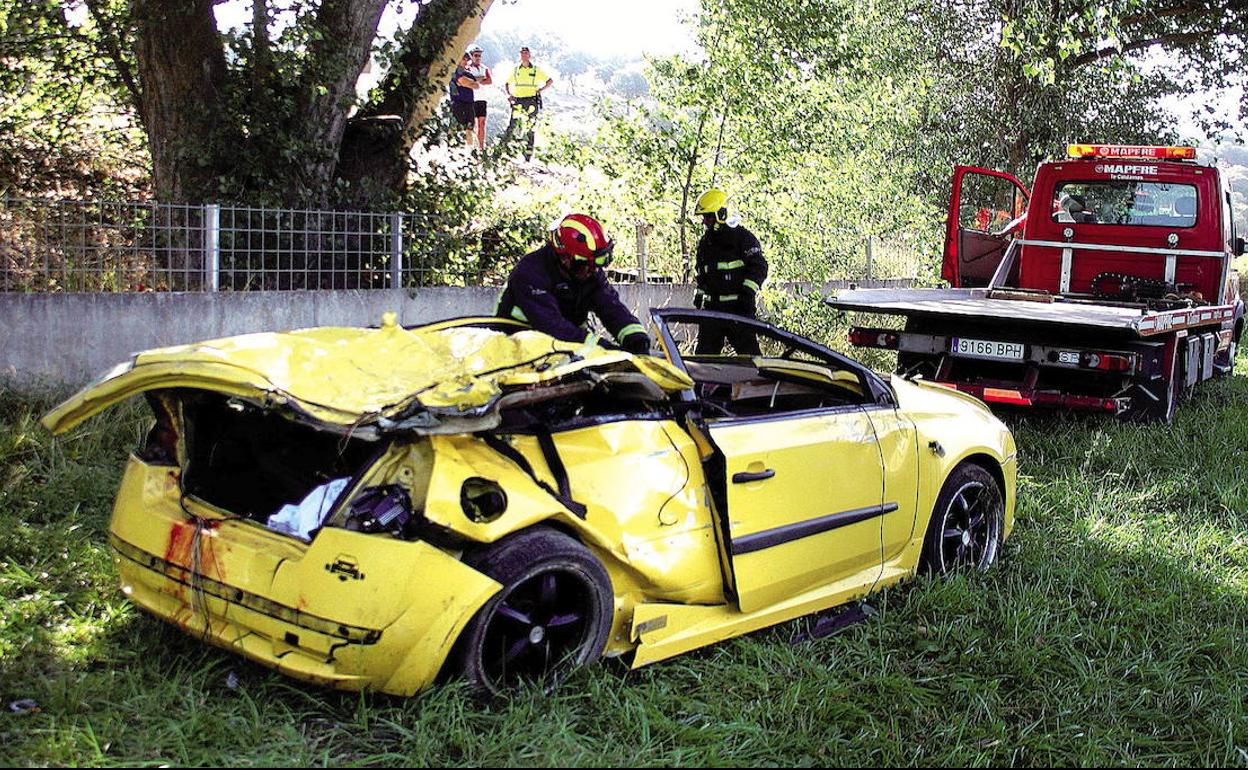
pixel 999 306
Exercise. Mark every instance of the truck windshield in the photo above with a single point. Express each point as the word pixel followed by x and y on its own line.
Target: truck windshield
pixel 1124 202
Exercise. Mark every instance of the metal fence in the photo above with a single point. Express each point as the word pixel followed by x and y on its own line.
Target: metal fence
pixel 122 246
pixel 100 246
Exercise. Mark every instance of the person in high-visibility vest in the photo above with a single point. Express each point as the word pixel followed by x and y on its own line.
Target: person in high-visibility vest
pixel 555 288
pixel 525 95
pixel 731 270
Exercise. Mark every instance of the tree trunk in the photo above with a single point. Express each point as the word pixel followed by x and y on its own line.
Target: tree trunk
pixel 207 143
pixel 182 69
pixel 326 93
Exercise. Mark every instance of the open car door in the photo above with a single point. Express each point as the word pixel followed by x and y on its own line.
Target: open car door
pixel 986 210
pixel 813 472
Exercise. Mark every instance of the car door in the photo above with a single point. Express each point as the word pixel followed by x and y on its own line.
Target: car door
pixel 806 495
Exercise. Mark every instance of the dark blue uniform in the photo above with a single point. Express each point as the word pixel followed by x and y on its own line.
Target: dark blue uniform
pixel 731 271
pixel 539 293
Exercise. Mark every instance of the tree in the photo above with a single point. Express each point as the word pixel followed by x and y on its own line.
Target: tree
pixel 572 64
pixel 630 84
pixel 793 110
pixel 56 92
pixel 1022 78
pixel 270 113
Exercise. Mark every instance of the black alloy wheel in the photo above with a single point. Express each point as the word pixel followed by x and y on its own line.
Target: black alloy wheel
pixel 967 523
pixel 552 615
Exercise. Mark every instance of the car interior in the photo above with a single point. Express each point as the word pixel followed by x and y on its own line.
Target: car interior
pixel 784 377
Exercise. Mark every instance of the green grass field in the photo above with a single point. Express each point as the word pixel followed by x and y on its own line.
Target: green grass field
pixel 1112 631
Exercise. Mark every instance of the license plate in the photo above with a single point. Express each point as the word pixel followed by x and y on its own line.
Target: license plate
pixel 996 351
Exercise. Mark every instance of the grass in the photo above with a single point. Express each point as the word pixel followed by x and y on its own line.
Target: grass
pixel 1112 631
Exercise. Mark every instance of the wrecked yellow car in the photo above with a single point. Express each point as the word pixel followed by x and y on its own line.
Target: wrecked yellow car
pixel 370 508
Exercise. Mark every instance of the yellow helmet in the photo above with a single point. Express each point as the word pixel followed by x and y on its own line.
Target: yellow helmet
pixel 713 201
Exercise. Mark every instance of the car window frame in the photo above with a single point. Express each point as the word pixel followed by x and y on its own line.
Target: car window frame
pixel 881 393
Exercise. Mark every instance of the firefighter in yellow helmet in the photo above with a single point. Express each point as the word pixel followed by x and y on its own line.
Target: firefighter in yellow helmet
pixel 730 272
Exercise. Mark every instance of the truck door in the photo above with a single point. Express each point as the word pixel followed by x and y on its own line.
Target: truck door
pixel 985 211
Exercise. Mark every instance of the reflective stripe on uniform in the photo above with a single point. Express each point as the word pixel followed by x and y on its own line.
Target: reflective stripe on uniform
pixel 727 297
pixel 631 329
pixel 747 283
pixel 518 314
pixel 592 339
pixel 731 265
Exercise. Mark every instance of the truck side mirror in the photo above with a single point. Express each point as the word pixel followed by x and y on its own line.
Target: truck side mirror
pixel 1238 248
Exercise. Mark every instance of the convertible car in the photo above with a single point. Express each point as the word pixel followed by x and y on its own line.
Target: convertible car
pixel 375 507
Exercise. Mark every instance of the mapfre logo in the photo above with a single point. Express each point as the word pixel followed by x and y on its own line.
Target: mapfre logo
pixel 1130 169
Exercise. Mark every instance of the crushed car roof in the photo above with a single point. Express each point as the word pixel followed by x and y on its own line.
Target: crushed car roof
pixel 446 377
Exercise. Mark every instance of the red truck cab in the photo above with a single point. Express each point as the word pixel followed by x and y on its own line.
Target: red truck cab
pixel 1108 285
pixel 1163 224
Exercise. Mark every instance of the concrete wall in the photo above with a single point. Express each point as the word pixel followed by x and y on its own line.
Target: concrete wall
pixel 68 339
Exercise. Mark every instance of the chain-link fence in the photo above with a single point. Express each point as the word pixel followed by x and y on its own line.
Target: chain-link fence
pixel 99 246
pixel 122 246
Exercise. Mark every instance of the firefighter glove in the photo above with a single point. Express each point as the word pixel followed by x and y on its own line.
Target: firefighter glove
pixel 637 343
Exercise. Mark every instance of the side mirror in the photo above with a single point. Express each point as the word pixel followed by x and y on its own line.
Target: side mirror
pixel 1238 248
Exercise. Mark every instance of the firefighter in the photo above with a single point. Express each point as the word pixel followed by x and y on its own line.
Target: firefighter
pixel 555 288
pixel 731 270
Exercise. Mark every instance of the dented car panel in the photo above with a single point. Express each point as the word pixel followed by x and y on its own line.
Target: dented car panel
pixel 706 496
pixel 389 378
pixel 954 428
pixel 346 611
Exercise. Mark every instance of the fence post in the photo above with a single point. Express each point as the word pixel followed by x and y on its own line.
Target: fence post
pixel 396 250
pixel 870 254
pixel 212 247
pixel 642 227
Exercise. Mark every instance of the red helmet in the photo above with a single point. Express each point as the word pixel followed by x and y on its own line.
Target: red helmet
pixel 581 243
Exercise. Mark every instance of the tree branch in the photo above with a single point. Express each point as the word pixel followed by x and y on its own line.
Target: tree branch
pixel 431 48
pixel 262 56
pixel 109 37
pixel 375 149
pixel 1164 13
pixel 1189 37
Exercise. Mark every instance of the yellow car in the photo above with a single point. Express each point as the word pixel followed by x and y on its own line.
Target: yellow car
pixel 370 508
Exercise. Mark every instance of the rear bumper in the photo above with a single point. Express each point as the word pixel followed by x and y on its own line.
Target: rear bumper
pixel 386 624
pixel 297 643
pixel 1023 397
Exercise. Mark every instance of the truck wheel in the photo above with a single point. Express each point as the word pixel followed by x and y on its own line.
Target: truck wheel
pixel 1233 349
pixel 967 523
pixel 552 615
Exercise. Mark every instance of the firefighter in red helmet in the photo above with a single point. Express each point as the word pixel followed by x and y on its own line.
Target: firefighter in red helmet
pixel 555 288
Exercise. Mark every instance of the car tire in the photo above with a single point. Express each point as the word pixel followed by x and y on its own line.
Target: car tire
pixel 967 523
pixel 552 615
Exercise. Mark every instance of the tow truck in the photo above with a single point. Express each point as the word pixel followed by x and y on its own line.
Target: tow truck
pixel 1107 286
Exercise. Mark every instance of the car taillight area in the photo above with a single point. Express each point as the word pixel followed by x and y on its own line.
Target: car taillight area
pixel 862 337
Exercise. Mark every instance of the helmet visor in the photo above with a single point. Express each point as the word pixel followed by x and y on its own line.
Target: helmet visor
pixel 600 257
